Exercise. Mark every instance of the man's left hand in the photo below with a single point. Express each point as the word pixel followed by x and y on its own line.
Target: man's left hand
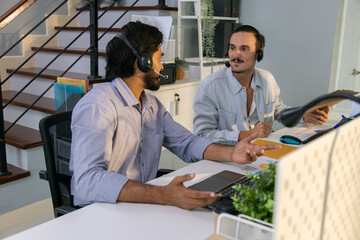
pixel 246 152
pixel 318 116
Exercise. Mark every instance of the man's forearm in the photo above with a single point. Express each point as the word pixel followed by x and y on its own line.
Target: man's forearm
pixel 142 193
pixel 219 152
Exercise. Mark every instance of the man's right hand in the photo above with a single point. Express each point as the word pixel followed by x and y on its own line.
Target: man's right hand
pixel 175 194
pixel 179 195
pixel 262 130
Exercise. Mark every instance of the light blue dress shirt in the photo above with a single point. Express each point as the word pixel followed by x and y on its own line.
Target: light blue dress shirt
pixel 114 140
pixel 220 105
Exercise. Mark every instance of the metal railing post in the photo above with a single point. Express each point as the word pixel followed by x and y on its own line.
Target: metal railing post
pixel 94 57
pixel 3 164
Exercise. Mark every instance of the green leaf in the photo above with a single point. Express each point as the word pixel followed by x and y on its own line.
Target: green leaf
pixel 257 202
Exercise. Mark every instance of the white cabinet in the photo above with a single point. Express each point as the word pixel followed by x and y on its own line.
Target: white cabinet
pixel 178 100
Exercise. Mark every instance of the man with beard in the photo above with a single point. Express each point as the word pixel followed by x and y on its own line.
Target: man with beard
pixel 239 100
pixel 118 131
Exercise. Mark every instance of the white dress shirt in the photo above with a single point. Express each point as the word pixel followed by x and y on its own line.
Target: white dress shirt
pixel 220 105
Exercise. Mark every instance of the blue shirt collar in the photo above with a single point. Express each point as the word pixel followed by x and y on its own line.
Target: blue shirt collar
pixel 234 84
pixel 128 96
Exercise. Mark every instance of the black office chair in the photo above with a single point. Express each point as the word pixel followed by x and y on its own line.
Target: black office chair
pixel 56 138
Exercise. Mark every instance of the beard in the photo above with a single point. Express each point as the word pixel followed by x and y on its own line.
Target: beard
pixel 152 81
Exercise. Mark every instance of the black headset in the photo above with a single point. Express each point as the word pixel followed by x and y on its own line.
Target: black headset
pixel 144 62
pixel 260 51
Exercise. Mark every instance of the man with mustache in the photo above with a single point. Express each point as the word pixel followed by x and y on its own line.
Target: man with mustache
pixel 118 131
pixel 239 100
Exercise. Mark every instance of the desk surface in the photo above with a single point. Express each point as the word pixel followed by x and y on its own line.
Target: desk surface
pixel 133 220
pixel 138 221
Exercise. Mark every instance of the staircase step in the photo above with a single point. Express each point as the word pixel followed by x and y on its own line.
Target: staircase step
pixel 22 137
pixel 138 8
pixel 46 105
pixel 83 28
pixel 115 12
pixel 53 74
pixel 69 50
pixel 16 173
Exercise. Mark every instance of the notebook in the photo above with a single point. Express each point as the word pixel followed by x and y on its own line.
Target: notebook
pixel 222 182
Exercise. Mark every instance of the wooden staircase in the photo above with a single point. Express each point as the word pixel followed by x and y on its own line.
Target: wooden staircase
pixel 26 136
pixel 23 139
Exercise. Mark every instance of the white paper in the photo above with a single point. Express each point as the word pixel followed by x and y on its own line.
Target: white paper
pixel 355 107
pixel 259 165
pixel 163 23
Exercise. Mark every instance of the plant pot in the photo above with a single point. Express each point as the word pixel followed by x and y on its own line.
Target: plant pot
pixel 223 205
pixel 179 73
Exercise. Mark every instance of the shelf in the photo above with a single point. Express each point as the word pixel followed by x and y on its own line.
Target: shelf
pixel 215 18
pixel 205 60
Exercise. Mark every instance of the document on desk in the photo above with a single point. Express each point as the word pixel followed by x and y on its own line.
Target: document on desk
pixel 275 153
pixel 259 165
pixel 270 156
pixel 302 132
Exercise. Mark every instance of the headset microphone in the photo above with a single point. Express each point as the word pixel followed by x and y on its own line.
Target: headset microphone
pixel 164 76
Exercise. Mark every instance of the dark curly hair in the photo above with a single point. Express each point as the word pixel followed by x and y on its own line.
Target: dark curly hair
pixel 119 57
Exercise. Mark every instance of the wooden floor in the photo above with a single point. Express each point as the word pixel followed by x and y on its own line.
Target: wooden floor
pixel 25 218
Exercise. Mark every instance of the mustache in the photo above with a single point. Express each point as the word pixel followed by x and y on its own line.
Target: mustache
pixel 236 59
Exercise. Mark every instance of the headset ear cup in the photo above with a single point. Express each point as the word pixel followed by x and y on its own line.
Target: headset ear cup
pixel 260 55
pixel 144 63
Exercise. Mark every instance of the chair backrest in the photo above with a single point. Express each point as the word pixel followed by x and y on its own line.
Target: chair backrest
pixel 56 138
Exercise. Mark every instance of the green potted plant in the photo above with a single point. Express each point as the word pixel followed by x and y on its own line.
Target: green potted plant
pixel 258 201
pixel 179 71
pixel 208 28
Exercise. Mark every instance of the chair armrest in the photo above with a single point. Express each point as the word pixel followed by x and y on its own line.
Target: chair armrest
pixel 59 211
pixel 43 175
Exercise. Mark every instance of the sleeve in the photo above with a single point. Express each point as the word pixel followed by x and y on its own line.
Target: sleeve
pixel 279 105
pixel 207 116
pixel 181 141
pixel 92 132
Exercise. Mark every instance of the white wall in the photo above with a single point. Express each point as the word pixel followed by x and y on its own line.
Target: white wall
pixel 299 44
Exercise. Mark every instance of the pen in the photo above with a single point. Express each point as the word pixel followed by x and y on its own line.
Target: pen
pixel 337 125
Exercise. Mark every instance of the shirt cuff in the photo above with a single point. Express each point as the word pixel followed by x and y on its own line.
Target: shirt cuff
pixel 201 145
pixel 234 136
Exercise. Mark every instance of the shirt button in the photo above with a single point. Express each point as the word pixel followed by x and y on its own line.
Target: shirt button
pixel 142 164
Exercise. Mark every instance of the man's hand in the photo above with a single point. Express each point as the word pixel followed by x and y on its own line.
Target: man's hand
pixel 175 194
pixel 318 116
pixel 262 130
pixel 246 152
pixel 178 195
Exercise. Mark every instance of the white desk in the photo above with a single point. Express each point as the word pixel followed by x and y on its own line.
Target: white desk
pixel 133 220
pixel 138 221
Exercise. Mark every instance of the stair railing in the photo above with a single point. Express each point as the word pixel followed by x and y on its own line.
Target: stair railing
pixel 93 26
pixel 3 165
